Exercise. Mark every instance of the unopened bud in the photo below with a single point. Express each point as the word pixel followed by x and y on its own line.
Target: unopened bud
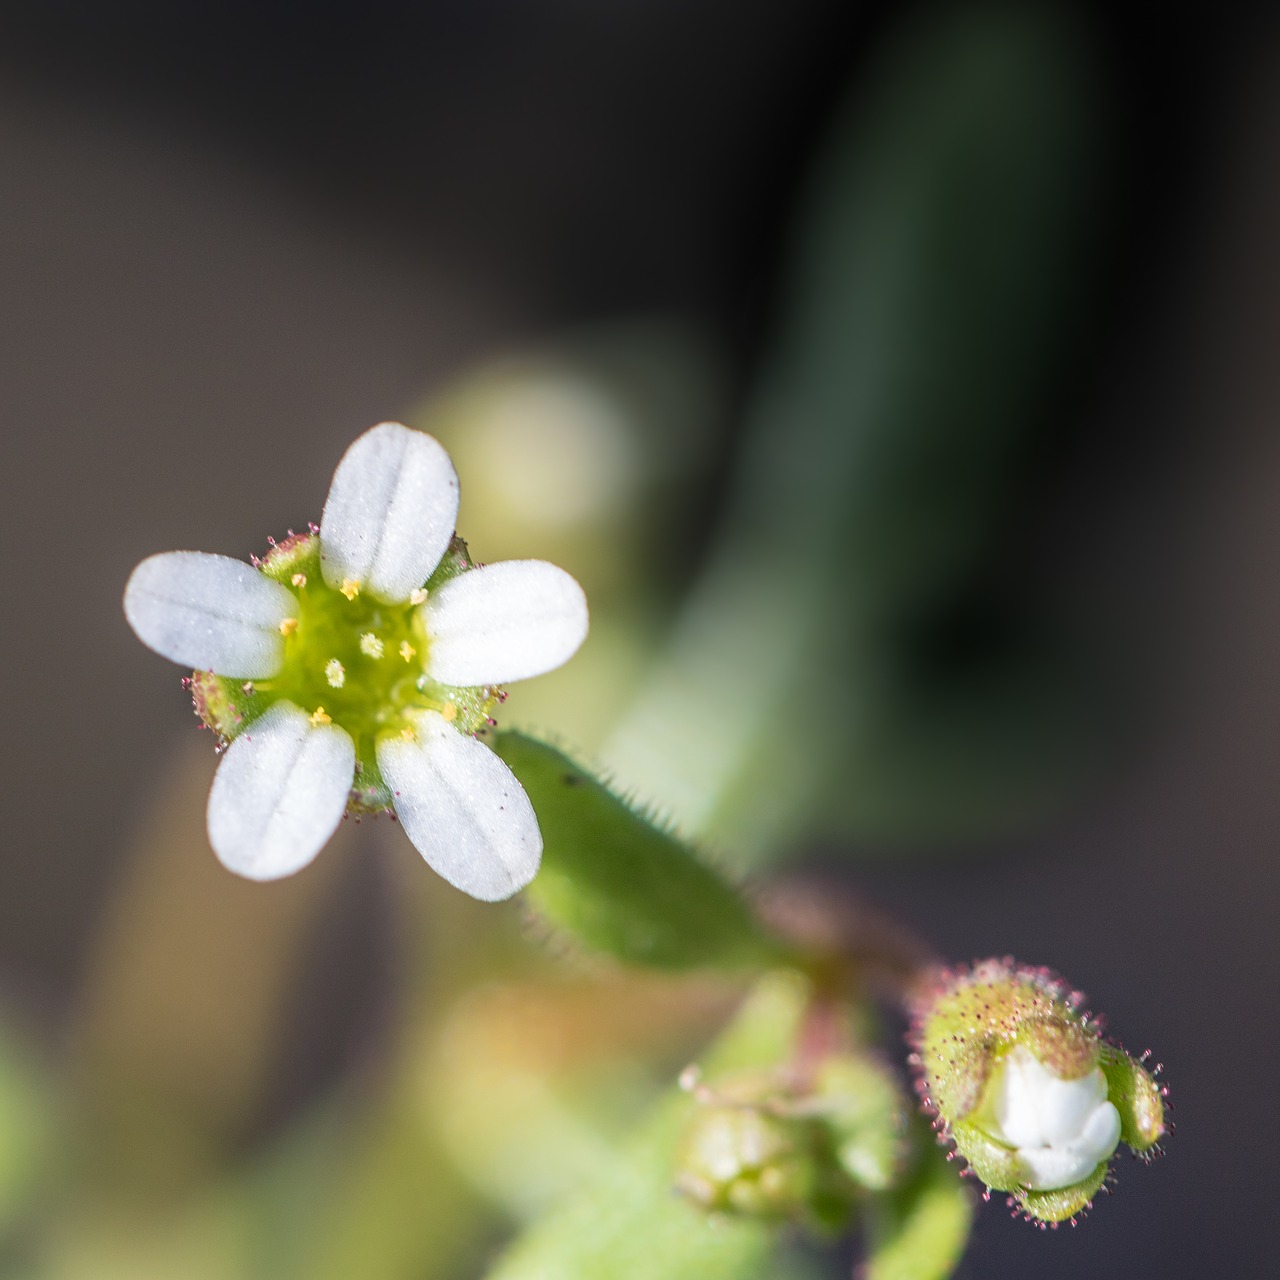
pixel 803 1147
pixel 742 1151
pixel 1024 1084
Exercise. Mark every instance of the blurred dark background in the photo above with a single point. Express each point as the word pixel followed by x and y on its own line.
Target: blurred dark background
pixel 234 235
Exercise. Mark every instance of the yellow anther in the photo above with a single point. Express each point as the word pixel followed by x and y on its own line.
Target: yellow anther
pixel 335 673
pixel 449 711
pixel 407 650
pixel 318 717
pixel 350 588
pixel 370 645
pixel 418 595
pixel 299 579
pixel 288 626
pixel 408 734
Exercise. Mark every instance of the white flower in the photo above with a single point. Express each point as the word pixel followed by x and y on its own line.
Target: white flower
pixel 287 776
pixel 1060 1129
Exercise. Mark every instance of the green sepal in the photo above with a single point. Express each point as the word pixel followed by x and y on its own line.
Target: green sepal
pixel 1069 1049
pixel 919 1231
pixel 1065 1202
pixel 617 882
pixel 1136 1096
pixel 298 553
pixel 957 1089
pixel 993 1162
pixel 225 705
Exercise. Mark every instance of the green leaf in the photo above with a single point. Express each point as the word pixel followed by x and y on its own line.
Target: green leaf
pixel 620 884
pixel 919 1232
pixel 631 1225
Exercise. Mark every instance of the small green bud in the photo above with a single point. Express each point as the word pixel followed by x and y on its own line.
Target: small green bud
pixel 742 1153
pixel 752 1148
pixel 1024 1085
pixel 785 1144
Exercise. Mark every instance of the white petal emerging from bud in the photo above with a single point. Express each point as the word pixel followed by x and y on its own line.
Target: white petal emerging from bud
pixel 463 809
pixel 390 513
pixel 504 622
pixel 1061 1129
pixel 209 612
pixel 279 793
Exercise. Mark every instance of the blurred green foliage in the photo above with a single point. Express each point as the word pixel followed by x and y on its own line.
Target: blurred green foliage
pixel 919 1231
pixel 845 660
pixel 629 1222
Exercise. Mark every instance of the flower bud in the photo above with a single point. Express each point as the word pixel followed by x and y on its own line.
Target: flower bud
pixel 781 1144
pixel 1025 1086
pixel 742 1154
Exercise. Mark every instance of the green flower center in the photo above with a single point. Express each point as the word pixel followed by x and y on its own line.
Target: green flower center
pixel 350 660
pixel 358 659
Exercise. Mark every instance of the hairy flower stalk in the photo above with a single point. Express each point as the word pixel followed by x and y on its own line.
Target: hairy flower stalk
pixel 350 670
pixel 1026 1087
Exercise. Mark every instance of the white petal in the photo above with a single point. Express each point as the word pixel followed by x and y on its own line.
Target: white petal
pixel 1048 1168
pixel 504 622
pixel 279 792
pixel 209 612
pixel 390 513
pixel 463 809
pixel 1101 1134
pixel 1033 1107
pixel 1069 1104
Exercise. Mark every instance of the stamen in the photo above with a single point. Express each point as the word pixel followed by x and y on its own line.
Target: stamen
pixel 288 626
pixel 350 588
pixel 408 734
pixel 299 579
pixel 335 673
pixel 247 688
pixel 370 645
pixel 318 717
pixel 407 650
pixel 449 711
pixel 418 595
